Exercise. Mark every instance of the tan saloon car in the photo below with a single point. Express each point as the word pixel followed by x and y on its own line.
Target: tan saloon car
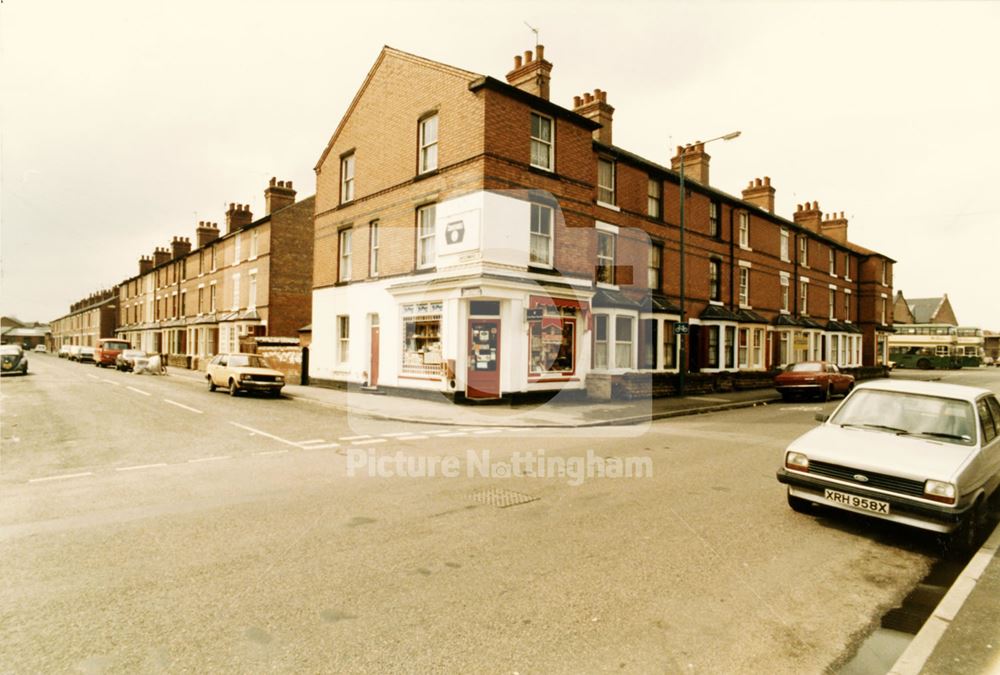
pixel 243 372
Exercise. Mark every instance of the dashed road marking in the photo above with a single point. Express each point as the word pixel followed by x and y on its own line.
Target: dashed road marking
pixel 270 452
pixel 117 384
pixel 413 438
pixel 258 432
pixel 370 441
pixel 353 438
pixel 217 458
pixel 62 477
pixel 138 391
pixel 488 431
pixel 453 434
pixel 141 466
pixel 181 405
pixel 324 446
pixel 311 441
pixel 93 377
pixel 397 433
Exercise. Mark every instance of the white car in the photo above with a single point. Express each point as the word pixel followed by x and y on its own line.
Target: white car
pixel 243 372
pixel 924 454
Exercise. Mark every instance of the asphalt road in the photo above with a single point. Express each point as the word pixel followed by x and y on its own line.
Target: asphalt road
pixel 149 525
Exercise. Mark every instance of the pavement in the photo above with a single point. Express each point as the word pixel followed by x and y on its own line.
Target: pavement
pixel 962 634
pixel 558 412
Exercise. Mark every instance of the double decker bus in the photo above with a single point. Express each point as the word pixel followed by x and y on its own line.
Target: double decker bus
pixel 924 346
pixel 969 346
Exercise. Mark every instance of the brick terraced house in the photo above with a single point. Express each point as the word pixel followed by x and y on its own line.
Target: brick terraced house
pixel 476 239
pixel 88 320
pixel 252 280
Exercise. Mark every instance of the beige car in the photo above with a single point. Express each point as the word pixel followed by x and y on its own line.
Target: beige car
pixel 243 372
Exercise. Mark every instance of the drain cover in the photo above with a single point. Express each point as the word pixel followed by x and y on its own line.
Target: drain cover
pixel 501 498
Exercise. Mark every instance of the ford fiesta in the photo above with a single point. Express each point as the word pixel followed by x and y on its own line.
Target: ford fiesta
pixel 923 454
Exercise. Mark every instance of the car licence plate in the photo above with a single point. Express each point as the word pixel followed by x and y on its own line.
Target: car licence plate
pixel 873 505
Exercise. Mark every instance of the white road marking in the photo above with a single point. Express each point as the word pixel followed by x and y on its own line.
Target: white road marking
pixel 325 446
pixel 93 377
pixel 62 477
pixel 139 391
pixel 314 440
pixel 265 434
pixel 453 434
pixel 117 384
pixel 353 438
pixel 413 438
pixel 140 466
pixel 398 433
pixel 217 458
pixel 271 452
pixel 181 405
pixel 370 441
pixel 488 431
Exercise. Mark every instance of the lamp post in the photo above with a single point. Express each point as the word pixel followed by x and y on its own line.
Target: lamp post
pixel 682 366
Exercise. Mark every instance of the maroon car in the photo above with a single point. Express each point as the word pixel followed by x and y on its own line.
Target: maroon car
pixel 813 378
pixel 108 350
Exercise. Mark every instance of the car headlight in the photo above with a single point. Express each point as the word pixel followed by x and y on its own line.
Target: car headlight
pixel 245 376
pixel 940 491
pixel 796 461
pixel 279 378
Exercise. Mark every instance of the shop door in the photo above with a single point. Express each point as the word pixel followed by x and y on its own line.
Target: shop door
pixel 484 359
pixel 373 377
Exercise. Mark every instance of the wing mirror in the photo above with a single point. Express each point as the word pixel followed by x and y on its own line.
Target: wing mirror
pixel 820 417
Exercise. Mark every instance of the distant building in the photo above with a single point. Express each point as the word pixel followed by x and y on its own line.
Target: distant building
pixel 923 310
pixel 28 337
pixel 928 335
pixel 88 320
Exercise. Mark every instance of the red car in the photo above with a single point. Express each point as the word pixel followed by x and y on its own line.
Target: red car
pixel 108 350
pixel 813 378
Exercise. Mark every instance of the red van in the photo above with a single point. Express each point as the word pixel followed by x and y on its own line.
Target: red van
pixel 108 350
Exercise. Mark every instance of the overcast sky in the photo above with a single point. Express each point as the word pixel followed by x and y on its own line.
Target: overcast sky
pixel 125 123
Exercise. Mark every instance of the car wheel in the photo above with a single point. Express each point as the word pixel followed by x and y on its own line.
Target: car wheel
pixel 826 394
pixel 798 504
pixel 924 364
pixel 970 533
pixel 786 397
pixel 211 385
pixel 233 390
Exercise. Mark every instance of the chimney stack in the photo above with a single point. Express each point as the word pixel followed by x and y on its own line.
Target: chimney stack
pixel 595 107
pixel 835 227
pixel 238 216
pixel 207 232
pixel 278 195
pixel 808 216
pixel 145 264
pixel 695 162
pixel 160 256
pixel 760 193
pixel 179 247
pixel 532 74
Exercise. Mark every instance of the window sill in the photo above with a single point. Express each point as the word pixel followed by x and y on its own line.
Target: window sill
pixel 611 207
pixel 425 175
pixel 610 287
pixel 743 306
pixel 746 248
pixel 717 303
pixel 542 170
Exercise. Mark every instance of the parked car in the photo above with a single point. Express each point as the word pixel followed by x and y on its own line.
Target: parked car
pixel 41 349
pixel 74 353
pixel 107 351
pixel 243 372
pixel 813 378
pixel 64 351
pixel 85 354
pixel 129 360
pixel 13 360
pixel 924 454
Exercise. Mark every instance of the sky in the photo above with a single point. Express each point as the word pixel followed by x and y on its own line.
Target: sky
pixel 122 124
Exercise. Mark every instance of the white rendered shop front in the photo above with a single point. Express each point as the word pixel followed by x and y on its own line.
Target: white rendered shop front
pixel 480 323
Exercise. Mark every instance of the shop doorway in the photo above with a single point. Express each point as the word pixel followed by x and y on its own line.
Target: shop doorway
pixel 373 368
pixel 483 381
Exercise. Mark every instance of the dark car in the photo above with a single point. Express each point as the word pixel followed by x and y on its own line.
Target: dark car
pixel 814 379
pixel 108 350
pixel 13 360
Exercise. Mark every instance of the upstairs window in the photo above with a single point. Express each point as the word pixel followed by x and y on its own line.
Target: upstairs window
pixel 541 235
pixel 804 251
pixel 426 228
pixel 784 245
pixel 713 219
pixel 347 179
pixel 832 304
pixel 744 287
pixel 373 249
pixel 654 199
pixel 654 272
pixel 429 144
pixel 744 229
pixel 236 248
pixel 606 181
pixel 714 280
pixel 542 154
pixel 833 263
pixel 344 270
pixel 605 257
pixel 253 244
pixel 804 297
pixel 784 293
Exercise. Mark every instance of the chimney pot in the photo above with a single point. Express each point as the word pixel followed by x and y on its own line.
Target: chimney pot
pixel 527 57
pixel 540 52
pixel 517 62
pixel 288 184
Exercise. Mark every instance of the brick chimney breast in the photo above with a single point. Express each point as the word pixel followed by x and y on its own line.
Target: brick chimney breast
pixel 179 247
pixel 237 216
pixel 532 74
pixel 160 256
pixel 835 226
pixel 808 216
pixel 206 233
pixel 278 195
pixel 595 107
pixel 696 162
pixel 145 264
pixel 760 193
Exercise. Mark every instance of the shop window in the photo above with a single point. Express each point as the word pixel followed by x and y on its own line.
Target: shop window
pixel 553 345
pixel 623 342
pixel 600 341
pixel 422 338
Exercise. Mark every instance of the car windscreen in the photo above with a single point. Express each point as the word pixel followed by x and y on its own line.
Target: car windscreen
pixel 115 345
pixel 804 368
pixel 10 350
pixel 934 417
pixel 247 361
pixel 86 350
pixel 132 354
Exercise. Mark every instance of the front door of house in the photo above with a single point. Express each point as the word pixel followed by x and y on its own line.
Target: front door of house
pixel 373 376
pixel 483 379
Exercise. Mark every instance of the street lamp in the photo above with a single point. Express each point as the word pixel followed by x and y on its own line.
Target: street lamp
pixel 682 371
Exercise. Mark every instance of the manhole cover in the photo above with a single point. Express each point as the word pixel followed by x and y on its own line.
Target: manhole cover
pixel 501 498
